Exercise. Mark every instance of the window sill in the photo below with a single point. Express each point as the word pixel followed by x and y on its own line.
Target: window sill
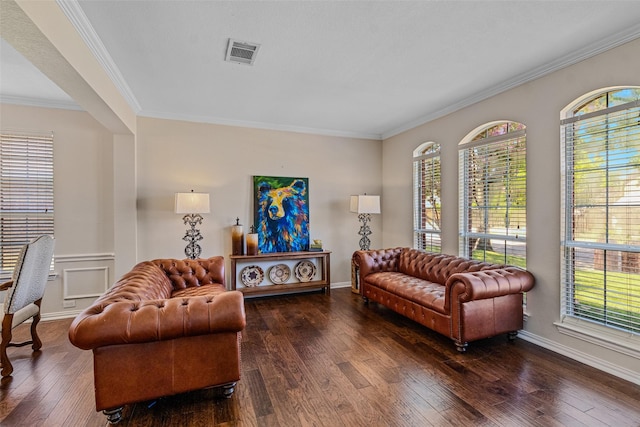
pixel 612 339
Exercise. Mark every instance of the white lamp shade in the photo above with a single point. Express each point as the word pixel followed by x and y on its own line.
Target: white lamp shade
pixel 365 204
pixel 187 203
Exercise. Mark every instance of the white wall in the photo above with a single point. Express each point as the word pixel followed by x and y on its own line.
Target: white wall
pixel 536 104
pixel 178 156
pixel 83 202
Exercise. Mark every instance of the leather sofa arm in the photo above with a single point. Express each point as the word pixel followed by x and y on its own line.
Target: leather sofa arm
pixel 127 322
pixel 488 283
pixel 375 261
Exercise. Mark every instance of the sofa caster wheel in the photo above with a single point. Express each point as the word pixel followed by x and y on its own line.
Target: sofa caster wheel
pixel 366 300
pixel 227 390
pixel 511 336
pixel 462 346
pixel 114 416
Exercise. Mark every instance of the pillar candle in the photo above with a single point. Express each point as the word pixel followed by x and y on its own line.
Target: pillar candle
pixel 237 240
pixel 252 244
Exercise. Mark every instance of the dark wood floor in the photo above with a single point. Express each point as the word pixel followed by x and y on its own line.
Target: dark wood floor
pixel 317 360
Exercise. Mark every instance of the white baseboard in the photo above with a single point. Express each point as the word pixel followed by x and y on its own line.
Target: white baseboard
pixel 59 315
pixel 340 285
pixel 585 358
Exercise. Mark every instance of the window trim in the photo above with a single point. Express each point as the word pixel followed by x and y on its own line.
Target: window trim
pixel 603 335
pixel 425 151
pixel 470 142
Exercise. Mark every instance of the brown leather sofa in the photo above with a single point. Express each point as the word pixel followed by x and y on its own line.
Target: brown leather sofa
pixel 463 299
pixel 167 327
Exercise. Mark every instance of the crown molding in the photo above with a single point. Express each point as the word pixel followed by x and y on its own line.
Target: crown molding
pixel 39 102
pixel 73 11
pixel 259 125
pixel 79 20
pixel 602 45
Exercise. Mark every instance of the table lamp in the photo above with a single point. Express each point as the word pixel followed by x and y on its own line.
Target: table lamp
pixel 192 205
pixel 364 206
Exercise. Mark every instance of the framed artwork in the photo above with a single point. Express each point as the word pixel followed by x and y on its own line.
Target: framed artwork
pixel 281 213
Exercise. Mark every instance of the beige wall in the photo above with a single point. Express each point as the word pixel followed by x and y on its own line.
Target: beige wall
pixel 83 186
pixel 536 104
pixel 96 241
pixel 178 156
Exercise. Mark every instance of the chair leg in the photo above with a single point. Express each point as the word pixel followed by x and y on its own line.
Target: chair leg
pixel 7 367
pixel 37 344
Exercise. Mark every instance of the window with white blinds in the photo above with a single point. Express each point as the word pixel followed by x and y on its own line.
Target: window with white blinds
pixel 26 193
pixel 601 210
pixel 426 197
pixel 493 187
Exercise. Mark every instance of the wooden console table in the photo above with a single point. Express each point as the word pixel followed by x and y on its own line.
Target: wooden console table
pixel 266 261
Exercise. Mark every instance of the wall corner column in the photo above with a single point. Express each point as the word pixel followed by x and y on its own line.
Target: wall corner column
pixel 125 240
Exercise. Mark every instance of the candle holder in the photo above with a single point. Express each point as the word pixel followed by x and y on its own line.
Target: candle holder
pixel 252 242
pixel 237 239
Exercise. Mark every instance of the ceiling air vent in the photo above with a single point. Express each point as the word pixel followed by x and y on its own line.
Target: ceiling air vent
pixel 241 52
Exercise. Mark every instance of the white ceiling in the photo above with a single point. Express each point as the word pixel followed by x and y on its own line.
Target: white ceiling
pixel 350 68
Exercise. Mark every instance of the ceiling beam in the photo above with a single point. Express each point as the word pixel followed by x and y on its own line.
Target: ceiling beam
pixel 44 35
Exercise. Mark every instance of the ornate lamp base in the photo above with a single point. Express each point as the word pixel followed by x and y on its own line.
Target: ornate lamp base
pixel 365 231
pixel 193 249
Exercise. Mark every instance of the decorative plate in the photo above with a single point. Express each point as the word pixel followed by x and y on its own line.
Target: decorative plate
pixel 252 276
pixel 305 270
pixel 279 273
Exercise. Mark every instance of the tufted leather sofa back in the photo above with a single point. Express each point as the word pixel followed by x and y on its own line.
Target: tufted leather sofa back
pixel 437 268
pixel 145 281
pixel 188 273
pixel 158 279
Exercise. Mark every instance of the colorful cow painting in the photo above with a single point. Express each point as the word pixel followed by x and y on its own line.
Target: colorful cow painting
pixel 281 213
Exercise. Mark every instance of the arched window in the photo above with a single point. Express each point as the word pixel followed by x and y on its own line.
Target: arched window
pixel 493 188
pixel 601 209
pixel 426 197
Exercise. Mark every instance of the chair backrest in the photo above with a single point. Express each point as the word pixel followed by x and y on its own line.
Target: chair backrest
pixel 30 274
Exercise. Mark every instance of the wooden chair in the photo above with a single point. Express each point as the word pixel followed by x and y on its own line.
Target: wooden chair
pixel 25 291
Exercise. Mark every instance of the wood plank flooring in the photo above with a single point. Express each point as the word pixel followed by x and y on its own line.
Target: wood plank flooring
pixel 319 360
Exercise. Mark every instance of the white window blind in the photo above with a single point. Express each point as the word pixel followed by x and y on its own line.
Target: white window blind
pixel 493 184
pixel 601 211
pixel 26 193
pixel 426 198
